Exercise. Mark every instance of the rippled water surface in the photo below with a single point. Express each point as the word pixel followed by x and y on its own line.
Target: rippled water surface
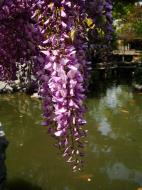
pixel 113 154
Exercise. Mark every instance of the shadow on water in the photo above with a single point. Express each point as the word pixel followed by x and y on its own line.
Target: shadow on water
pixel 20 184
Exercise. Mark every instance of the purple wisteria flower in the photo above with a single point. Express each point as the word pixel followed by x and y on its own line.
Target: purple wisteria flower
pixel 51 37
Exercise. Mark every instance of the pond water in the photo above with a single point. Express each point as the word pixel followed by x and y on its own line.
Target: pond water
pixel 113 154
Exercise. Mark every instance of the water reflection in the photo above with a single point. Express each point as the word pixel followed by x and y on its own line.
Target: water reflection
pixel 104 126
pixel 116 105
pixel 115 137
pixel 20 104
pixel 119 171
pixel 116 97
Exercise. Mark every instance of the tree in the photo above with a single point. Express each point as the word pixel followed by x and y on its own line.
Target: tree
pixel 122 8
pixel 131 24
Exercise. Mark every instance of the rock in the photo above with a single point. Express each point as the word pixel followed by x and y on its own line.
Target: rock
pixel 137 87
pixel 3 146
pixel 35 95
pixel 17 82
pixel 4 87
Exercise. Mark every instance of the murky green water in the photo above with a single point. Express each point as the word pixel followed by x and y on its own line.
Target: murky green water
pixel 114 151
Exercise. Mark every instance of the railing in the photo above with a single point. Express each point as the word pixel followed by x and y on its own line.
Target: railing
pixel 127 52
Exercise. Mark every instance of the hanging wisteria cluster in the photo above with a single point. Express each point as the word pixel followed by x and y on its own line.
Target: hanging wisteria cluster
pixel 51 36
